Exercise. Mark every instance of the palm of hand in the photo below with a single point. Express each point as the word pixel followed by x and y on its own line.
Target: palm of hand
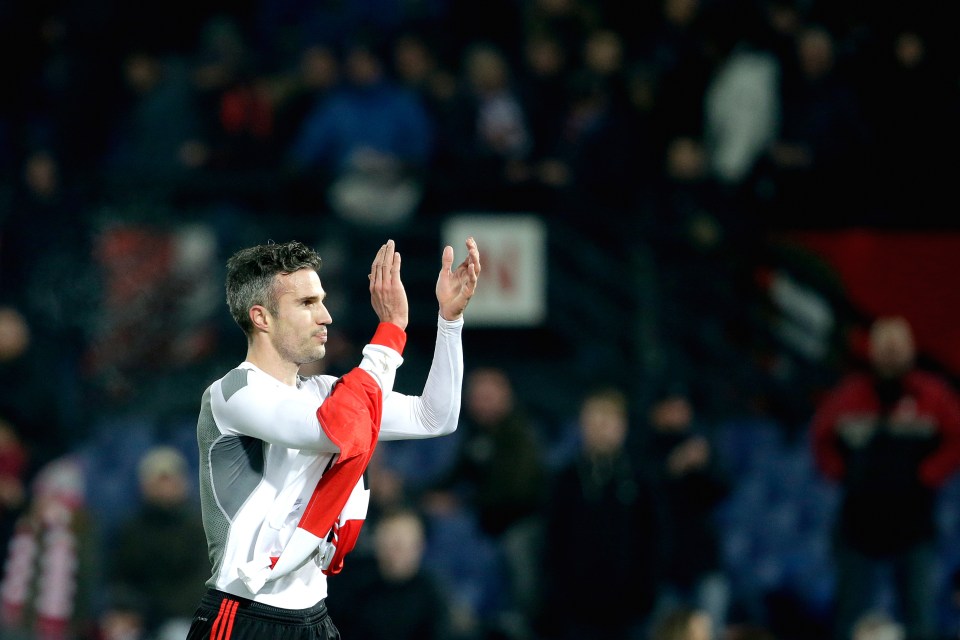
pixel 455 287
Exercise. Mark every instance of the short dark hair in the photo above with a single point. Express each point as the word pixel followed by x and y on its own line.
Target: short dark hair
pixel 251 273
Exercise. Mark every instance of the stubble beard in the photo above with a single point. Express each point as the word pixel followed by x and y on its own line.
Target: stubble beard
pixel 312 353
pixel 305 353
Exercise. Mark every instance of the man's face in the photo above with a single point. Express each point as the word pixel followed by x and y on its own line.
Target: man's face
pixel 489 396
pixel 603 426
pixel 892 349
pixel 300 324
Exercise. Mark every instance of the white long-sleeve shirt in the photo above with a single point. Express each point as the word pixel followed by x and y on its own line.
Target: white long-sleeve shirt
pixel 262 451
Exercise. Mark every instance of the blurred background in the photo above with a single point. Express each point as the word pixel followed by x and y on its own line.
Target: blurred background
pixel 711 199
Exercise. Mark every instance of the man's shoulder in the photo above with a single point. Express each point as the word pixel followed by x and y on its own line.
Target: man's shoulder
pixel 226 387
pixel 235 380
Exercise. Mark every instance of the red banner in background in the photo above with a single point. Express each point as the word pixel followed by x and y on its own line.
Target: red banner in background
pixel 913 274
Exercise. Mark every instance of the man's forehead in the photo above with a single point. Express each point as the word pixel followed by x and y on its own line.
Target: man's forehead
pixel 301 283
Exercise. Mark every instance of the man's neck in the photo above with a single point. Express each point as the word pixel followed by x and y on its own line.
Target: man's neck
pixel 270 362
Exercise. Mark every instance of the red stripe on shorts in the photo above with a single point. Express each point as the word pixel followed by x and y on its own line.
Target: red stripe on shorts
pixel 223 625
pixel 216 621
pixel 231 616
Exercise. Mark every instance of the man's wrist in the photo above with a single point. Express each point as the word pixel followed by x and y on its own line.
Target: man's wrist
pixel 449 315
pixel 389 334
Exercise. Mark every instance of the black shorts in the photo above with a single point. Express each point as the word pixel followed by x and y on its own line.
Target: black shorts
pixel 222 616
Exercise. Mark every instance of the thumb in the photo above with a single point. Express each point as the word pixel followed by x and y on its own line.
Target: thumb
pixel 447 259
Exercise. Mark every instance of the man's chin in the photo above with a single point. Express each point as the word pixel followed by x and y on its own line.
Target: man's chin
pixel 314 356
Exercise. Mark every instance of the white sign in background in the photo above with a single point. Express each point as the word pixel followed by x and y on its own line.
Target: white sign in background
pixel 513 254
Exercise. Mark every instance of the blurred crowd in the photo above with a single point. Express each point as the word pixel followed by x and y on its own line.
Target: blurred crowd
pixel 666 144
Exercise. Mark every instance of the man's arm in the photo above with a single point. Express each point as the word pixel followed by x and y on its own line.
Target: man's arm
pixel 435 412
pixel 356 400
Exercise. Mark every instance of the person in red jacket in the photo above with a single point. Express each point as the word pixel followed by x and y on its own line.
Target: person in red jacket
pixel 891 437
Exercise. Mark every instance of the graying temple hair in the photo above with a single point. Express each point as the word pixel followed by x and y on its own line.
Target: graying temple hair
pixel 251 273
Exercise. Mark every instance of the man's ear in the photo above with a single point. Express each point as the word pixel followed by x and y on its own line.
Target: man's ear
pixel 260 317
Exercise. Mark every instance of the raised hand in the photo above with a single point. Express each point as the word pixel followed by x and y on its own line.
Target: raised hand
pixel 387 295
pixel 455 287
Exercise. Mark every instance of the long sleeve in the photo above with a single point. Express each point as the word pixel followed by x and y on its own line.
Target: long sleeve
pixel 436 411
pixel 285 416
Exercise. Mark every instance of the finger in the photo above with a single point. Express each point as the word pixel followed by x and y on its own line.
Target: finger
pixel 473 270
pixel 395 267
pixel 380 271
pixel 446 260
pixel 473 253
pixel 388 252
pixel 377 259
pixel 374 267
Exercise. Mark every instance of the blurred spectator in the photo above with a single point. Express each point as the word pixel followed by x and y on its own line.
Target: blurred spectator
pixel 390 595
pixel 567 20
pixel 160 551
pixel 912 111
pixel 591 172
pixel 71 90
pixel 421 66
pixel 13 476
pixel 368 143
pixel 693 483
pixel 45 234
pixel 24 402
pixel 499 475
pixel 678 47
pixel 816 162
pixel 236 107
pixel 742 109
pixel 542 83
pixel 683 623
pixel 389 493
pixel 297 92
pixel 123 617
pixel 157 139
pixel 601 550
pixel 51 569
pixel 155 315
pixel 890 436
pixel 32 263
pixel 488 134
pixel 605 55
pixel 877 625
pixel 703 246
